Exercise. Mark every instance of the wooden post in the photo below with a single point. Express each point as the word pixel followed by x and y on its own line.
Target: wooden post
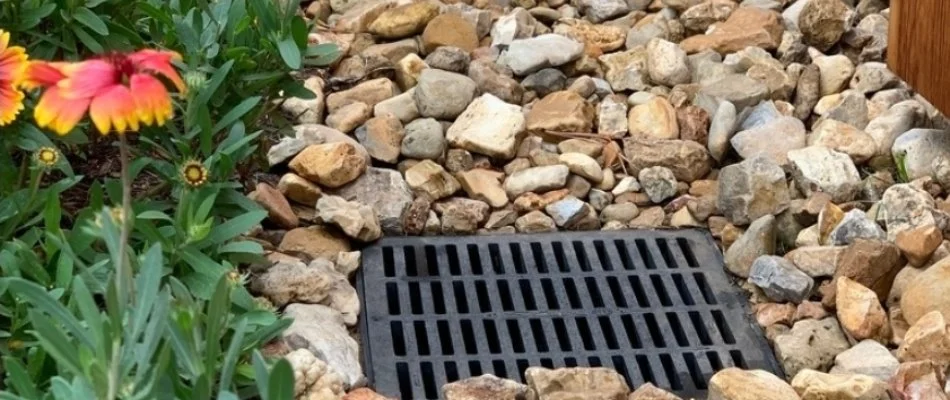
pixel 918 48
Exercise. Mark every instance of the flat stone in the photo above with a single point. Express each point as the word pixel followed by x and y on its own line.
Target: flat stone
pixel 758 240
pixel 484 387
pixel 484 185
pixel 818 168
pixel 583 165
pixel 687 160
pixel 331 165
pixel 817 385
pixel 525 56
pixel 844 138
pixel 751 189
pixel 810 344
pixel 488 126
pixel 565 383
pixel 738 384
pixel 385 191
pixel 567 211
pixel 433 179
pixel 537 179
pixel 773 140
pixel 320 330
pixel 742 91
pixel 779 279
pixel 370 92
pixel 656 119
pixel 563 111
pixel 746 26
pixel 930 293
pixel 382 137
pixel 869 358
pixel 816 261
pixel 449 30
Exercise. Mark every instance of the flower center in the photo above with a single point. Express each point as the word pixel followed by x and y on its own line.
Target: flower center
pixel 124 68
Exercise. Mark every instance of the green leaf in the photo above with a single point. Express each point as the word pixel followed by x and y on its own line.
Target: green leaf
pixel 289 52
pixel 19 379
pixel 236 113
pixel 280 386
pixel 88 18
pixel 87 40
pixel 235 227
pixel 231 357
pixel 261 374
pixel 87 309
pixel 43 301
pixel 298 90
pixel 55 342
pixel 153 214
pixel 244 246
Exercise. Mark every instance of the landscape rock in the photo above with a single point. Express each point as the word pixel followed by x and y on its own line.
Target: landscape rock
pixel 816 261
pixel 667 63
pixel 563 111
pixel 742 91
pixel 656 119
pixel 835 73
pixel 358 221
pixel 853 226
pixel 818 168
pixel 349 117
pixel 917 149
pixel 687 160
pixel 298 189
pixel 535 222
pixel 402 107
pixel 860 311
pixel 432 179
pixel 545 81
pixel 492 79
pixel 314 241
pixel 822 22
pixel 382 137
pixel 737 384
pixel 484 387
pixel 752 189
pixel 872 263
pixel 565 383
pixel 461 216
pixel 423 140
pixel 369 92
pixel 929 293
pixel 647 391
pixel 443 95
pixel 583 165
pixel 320 330
pixel 810 344
pixel 658 182
pixel 385 191
pixel 484 185
pixel 773 140
pixel 868 357
pixel 721 129
pixel 758 240
pixel 537 179
pixel 906 207
pixel 779 279
pixel 746 26
pixel 567 211
pixel 331 165
pixel 525 56
pixel 404 21
pixel 844 138
pixel 488 126
pixel 278 209
pixel 449 30
pixel 919 243
pixel 307 111
pixel 627 70
pixel 312 377
pixel 811 384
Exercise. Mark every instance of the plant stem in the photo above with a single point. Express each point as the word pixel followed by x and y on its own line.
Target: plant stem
pixel 124 269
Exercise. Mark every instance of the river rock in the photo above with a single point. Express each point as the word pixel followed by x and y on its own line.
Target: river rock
pixel 484 387
pixel 658 182
pixel 423 140
pixel 773 140
pixel 537 179
pixel 331 165
pixel 687 160
pixel 746 26
pixel 656 119
pixel 442 94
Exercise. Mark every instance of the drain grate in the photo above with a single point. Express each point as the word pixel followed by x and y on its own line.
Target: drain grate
pixel 654 305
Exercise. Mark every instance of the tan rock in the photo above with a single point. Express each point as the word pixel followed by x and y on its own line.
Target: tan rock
pixel 566 383
pixel 563 111
pixel 382 137
pixel 693 124
pixel 737 384
pixel 347 118
pixel 651 217
pixel 357 220
pixel 768 314
pixel 278 209
pixel 314 241
pixel 860 311
pixel 408 70
pixel 484 387
pixel 816 261
pixel 369 92
pixel 930 292
pixel 298 189
pixel 583 165
pixel 828 220
pixel 647 391
pixel 484 185
pixel 844 138
pixel 746 26
pixel 449 30
pixel 405 20
pixel 358 18
pixel 331 164
pixel 927 340
pixel 872 263
pixel 919 243
pixel 656 119
pixel 598 39
pixel 364 394
pixel 534 202
pixel 684 218
pixel 431 178
pixel 810 310
pixel 815 385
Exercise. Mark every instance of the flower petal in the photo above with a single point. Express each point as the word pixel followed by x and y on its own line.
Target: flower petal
pixel 58 113
pixel 114 109
pixel 11 102
pixel 159 62
pixel 152 102
pixel 12 64
pixel 89 79
pixel 44 74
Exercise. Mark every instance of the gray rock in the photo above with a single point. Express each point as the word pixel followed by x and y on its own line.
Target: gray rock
pixel 810 344
pixel 822 22
pixel 567 211
pixel 307 111
pixel 537 179
pixel 667 63
pixel 599 199
pixel 752 189
pixel 612 117
pixel 642 34
pixel 357 221
pixel 424 140
pixel 402 106
pixel 525 56
pixel 545 81
pixel 385 191
pixel 443 95
pixel 658 182
pixel 449 58
pixel 819 169
pixel 623 212
pixel 535 222
pixel 762 114
pixel 773 140
pixel 626 185
pixel 602 10
pixel 906 207
pixel 320 329
pixel 852 109
pixel 578 186
pixel 780 280
pixel 855 225
pixel 867 358
pixel 494 80
pixel 721 129
pixel 917 149
pixel 306 135
pixel 808 91
pixel 758 240
pixel 887 127
pixel 872 77
pixel 461 216
pixel 517 24
pixel 741 90
pixel 501 218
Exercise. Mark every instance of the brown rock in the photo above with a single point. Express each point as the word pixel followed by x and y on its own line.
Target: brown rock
pixel 811 310
pixel 737 384
pixel 597 38
pixel 533 202
pixel 369 92
pixel 347 118
pixel 828 219
pixel 746 26
pixel 929 291
pixel 566 383
pixel 332 164
pixel 382 137
pixel 693 123
pixel 298 189
pixel 816 261
pixel 404 21
pixel 860 311
pixel 927 340
pixel 768 314
pixel 871 263
pixel 449 30
pixel 655 119
pixel 364 394
pixel 822 22
pixel 408 70
pixel 358 18
pixel 414 221
pixel 815 385
pixel 919 380
pixel 649 218
pixel 688 160
pixel 919 243
pixel 278 209
pixel 484 185
pixel 563 111
pixel 484 387
pixel 315 241
pixel 432 179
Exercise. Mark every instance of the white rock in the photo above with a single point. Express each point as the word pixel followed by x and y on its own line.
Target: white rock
pixel 537 179
pixel 525 56
pixel 818 168
pixel 667 63
pixel 917 149
pixel 488 126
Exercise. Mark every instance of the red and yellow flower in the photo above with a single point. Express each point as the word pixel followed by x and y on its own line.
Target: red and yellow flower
pixel 120 92
pixel 12 65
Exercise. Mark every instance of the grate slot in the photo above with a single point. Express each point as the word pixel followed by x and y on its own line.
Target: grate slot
pixel 654 305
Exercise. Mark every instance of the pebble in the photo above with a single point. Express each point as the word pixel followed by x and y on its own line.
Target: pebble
pixel 536 179
pixel 442 94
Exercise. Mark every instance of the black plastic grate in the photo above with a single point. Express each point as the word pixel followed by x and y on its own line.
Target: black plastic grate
pixel 654 305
